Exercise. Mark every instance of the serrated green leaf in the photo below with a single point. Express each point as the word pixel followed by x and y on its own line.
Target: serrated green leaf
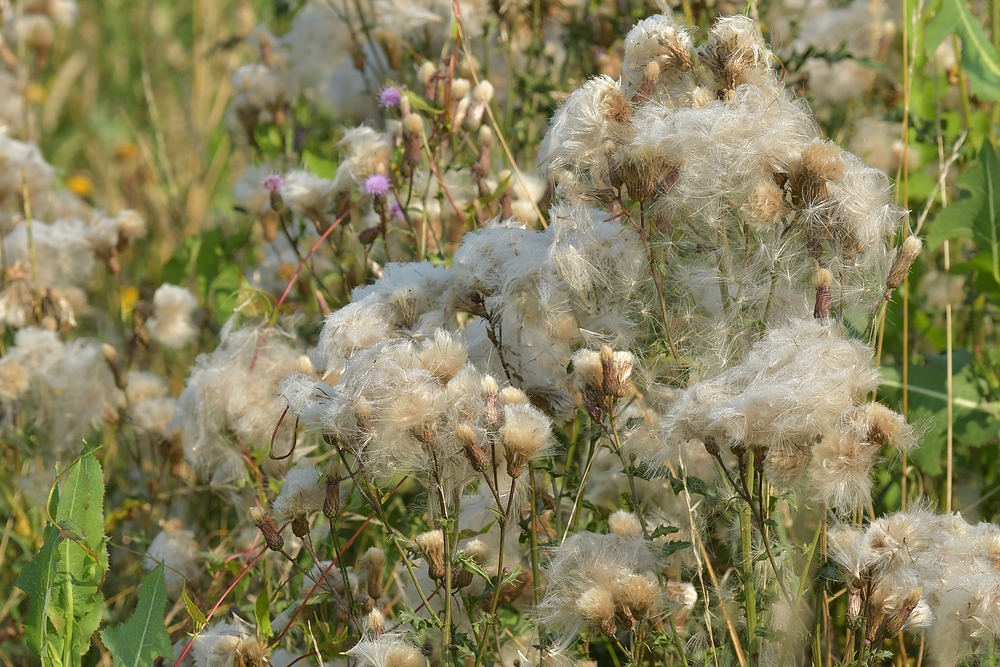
pixel 670 548
pixel 975 215
pixel 664 530
pixel 37 579
pixel 192 609
pixel 64 579
pixel 143 638
pixel 980 60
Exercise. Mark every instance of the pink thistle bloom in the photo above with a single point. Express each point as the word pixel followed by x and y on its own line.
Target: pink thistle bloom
pixel 390 97
pixel 377 185
pixel 273 182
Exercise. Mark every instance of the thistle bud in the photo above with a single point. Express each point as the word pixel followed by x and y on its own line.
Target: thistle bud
pixel 424 433
pixel 616 370
pixel 460 578
pixel 597 607
pixel 260 518
pixel 513 396
pixel 824 279
pixel 592 402
pixel 369 235
pixel 331 503
pixel 491 394
pixel 473 452
pixel 375 622
pixel 905 257
pixel 431 547
pixel 711 446
pixel 372 563
pixel 853 603
pixel 413 128
pixel 899 620
pixel 300 526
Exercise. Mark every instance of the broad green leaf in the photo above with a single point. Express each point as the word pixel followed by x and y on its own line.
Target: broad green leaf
pixel 319 166
pixel 974 422
pixel 37 579
pixel 143 638
pixel 976 214
pixel 262 612
pixel 64 579
pixel 980 60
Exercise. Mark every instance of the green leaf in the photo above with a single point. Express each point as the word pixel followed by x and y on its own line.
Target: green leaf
pixel 418 103
pixel 37 579
pixel 320 166
pixel 192 609
pixel 143 638
pixel 262 612
pixel 980 60
pixel 64 579
pixel 670 548
pixel 974 422
pixel 975 215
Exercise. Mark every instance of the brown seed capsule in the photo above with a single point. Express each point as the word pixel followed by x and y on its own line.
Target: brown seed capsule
pixel 475 454
pixel 853 603
pixel 300 526
pixel 331 503
pixel 490 393
pixel 898 620
pixel 592 401
pixel 460 578
pixel 431 547
pixel 904 260
pixel 824 279
pixel 260 518
pixel 616 370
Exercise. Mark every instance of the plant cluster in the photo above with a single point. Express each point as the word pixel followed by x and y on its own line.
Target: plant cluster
pixel 457 384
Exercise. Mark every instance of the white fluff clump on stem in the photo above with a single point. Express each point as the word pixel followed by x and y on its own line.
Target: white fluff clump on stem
pixel 226 402
pixel 228 644
pixel 302 494
pixel 796 399
pixel 65 389
pixel 306 193
pixel 171 324
pixel 177 549
pixel 368 152
pixel 917 570
pixel 387 650
pixel 575 142
pixel 657 54
pixel 150 408
pixel 607 582
pixel 534 296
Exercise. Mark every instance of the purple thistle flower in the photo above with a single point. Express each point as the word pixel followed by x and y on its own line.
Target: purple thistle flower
pixel 395 210
pixel 377 185
pixel 390 97
pixel 272 183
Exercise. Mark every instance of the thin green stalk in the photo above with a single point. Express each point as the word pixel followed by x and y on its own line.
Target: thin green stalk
pixel 480 653
pixel 677 640
pixel 579 492
pixel 613 434
pixel 749 585
pixel 535 571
